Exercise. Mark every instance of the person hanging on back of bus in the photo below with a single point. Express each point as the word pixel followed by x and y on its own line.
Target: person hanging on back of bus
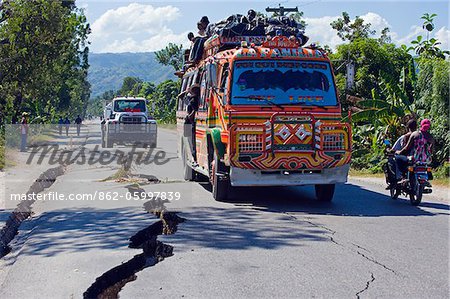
pixel 192 100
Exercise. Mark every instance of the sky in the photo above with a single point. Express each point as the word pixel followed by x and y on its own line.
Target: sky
pixel 144 26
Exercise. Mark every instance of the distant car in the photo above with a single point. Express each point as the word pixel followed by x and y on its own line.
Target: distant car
pixel 126 120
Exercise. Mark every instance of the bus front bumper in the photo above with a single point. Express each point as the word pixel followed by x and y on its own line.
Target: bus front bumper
pixel 252 177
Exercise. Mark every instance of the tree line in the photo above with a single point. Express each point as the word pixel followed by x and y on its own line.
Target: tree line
pixel 44 60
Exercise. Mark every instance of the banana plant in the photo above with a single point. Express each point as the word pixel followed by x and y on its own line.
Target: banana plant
pixel 387 109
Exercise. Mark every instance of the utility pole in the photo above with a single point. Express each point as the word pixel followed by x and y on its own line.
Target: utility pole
pixel 281 10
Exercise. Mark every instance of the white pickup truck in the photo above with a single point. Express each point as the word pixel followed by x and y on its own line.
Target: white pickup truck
pixel 127 120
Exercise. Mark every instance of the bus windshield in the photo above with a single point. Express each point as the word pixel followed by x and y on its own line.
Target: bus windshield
pixel 129 106
pixel 283 82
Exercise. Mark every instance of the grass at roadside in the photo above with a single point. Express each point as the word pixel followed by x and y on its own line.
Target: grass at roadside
pixel 41 138
pixel 167 126
pixel 365 173
pixel 437 181
pixel 442 182
pixel 2 157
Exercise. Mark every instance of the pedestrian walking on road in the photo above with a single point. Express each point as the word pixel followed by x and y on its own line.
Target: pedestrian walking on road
pixel 78 122
pixel 67 124
pixel 24 132
pixel 60 125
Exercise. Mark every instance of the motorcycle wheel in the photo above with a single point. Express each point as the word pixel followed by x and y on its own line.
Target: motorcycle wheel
pixel 416 194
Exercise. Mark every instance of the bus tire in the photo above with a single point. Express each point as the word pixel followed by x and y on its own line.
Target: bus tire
pixel 188 173
pixel 325 192
pixel 220 186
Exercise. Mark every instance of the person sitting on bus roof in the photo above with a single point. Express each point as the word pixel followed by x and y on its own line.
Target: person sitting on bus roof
pixel 250 18
pixel 202 25
pixel 191 37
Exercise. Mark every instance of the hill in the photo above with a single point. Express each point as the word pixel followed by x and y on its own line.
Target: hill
pixel 107 70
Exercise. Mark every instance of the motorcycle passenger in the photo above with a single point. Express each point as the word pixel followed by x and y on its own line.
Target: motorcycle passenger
pixel 419 145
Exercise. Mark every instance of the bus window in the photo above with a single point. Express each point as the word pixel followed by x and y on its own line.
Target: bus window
pixel 196 76
pixel 224 81
pixel 184 84
pixel 184 88
pixel 189 81
pixel 203 92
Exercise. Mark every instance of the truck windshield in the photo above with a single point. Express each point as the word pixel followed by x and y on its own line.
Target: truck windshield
pixel 283 82
pixel 129 106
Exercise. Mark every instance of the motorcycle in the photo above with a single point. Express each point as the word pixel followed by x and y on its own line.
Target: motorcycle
pixel 416 182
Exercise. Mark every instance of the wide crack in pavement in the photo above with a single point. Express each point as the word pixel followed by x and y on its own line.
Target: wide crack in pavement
pixel 23 209
pixel 109 284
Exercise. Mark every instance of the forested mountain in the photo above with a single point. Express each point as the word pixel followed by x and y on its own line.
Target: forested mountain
pixel 107 70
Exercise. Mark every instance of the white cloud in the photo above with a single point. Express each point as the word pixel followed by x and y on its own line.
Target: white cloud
pixel 135 28
pixel 153 43
pixel 414 31
pixel 319 30
pixel 443 35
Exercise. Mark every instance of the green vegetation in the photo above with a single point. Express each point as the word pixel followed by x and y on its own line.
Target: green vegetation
pixel 171 55
pixel 44 61
pixel 44 57
pixel 2 153
pixel 391 87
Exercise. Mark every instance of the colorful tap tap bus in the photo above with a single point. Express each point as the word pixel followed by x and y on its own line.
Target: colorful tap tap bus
pixel 268 115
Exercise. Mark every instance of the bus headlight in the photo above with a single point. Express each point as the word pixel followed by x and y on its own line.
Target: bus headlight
pixel 248 143
pixel 333 142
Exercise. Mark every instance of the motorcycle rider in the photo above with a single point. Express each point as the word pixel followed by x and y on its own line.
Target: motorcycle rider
pixel 419 145
pixel 394 173
pixel 411 125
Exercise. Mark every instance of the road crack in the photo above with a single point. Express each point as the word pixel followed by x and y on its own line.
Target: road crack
pixel 331 232
pixel 331 235
pixel 24 209
pixel 110 283
pixel 372 279
pixel 376 262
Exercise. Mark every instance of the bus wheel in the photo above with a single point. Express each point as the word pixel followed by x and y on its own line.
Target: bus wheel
pixel 188 172
pixel 325 192
pixel 220 185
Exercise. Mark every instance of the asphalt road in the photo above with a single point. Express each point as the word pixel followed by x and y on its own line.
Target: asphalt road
pixel 264 242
